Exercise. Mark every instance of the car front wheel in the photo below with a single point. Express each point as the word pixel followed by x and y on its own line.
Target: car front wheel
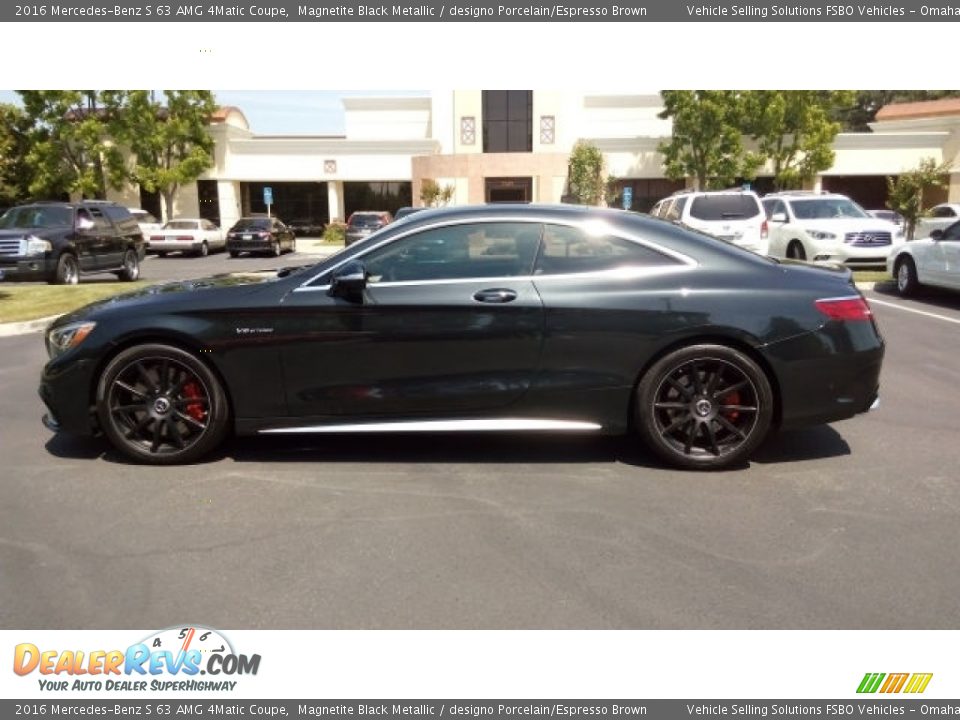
pixel 796 252
pixel 130 269
pixel 160 405
pixel 67 271
pixel 704 407
pixel 906 276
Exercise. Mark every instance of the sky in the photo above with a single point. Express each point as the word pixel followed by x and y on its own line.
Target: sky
pixel 282 112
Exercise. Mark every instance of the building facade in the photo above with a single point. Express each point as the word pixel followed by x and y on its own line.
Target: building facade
pixel 507 146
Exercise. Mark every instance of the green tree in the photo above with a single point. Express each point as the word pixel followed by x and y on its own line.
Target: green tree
pixel 14 146
pixel 707 142
pixel 435 195
pixel 71 142
pixel 586 179
pixel 905 191
pixel 170 141
pixel 793 129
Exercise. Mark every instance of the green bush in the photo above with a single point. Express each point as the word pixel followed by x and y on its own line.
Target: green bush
pixel 335 233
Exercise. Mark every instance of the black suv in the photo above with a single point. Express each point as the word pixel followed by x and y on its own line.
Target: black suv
pixel 60 241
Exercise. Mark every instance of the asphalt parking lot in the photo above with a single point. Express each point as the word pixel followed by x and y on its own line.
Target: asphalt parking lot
pixel 853 525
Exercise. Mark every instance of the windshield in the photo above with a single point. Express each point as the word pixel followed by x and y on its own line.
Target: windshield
pixel 827 209
pixel 181 225
pixel 35 216
pixel 252 224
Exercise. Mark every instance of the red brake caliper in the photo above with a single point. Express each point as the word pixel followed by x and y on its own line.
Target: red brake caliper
pixel 731 399
pixel 191 391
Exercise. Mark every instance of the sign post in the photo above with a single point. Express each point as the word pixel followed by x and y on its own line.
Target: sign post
pixel 268 198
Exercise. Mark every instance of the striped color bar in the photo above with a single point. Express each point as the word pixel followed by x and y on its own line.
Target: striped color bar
pixel 894 682
pixel 918 682
pixel 870 682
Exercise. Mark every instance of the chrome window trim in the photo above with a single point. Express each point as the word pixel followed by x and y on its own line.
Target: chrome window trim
pixel 686 262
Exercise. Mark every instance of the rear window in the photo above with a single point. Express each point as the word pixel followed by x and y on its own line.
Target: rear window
pixel 366 221
pixel 181 225
pixel 252 224
pixel 724 207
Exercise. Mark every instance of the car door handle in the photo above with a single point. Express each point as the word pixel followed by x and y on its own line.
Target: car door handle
pixel 495 295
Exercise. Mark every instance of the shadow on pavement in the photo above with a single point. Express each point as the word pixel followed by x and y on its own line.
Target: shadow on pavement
pixel 937 297
pixel 807 444
pixel 813 443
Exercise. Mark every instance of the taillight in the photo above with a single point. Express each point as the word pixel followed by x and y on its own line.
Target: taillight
pixel 764 231
pixel 845 308
pixel 264 234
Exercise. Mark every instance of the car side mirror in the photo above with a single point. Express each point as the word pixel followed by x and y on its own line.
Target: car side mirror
pixel 778 217
pixel 348 282
pixel 937 235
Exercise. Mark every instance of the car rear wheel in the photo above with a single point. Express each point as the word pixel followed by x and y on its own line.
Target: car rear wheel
pixel 131 266
pixel 160 405
pixel 704 407
pixel 234 253
pixel 795 251
pixel 906 276
pixel 67 271
pixel 204 249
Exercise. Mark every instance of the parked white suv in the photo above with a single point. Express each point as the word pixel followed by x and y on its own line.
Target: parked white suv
pixel 735 216
pixel 824 227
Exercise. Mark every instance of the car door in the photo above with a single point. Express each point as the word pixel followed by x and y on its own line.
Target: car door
pixel 944 267
pixel 449 324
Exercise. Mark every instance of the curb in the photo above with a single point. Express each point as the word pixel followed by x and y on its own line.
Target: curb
pixel 27 326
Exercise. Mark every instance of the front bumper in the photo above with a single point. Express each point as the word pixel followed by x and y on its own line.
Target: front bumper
pixel 25 268
pixel 250 245
pixel 66 393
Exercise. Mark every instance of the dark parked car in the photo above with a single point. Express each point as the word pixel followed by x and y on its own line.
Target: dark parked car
pixel 306 227
pixel 260 235
pixel 366 222
pixel 58 241
pixel 404 211
pixel 511 318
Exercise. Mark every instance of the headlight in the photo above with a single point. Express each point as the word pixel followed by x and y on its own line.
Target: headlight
pixel 62 338
pixel 821 235
pixel 32 245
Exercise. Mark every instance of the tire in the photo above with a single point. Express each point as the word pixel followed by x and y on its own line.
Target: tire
pixel 293 245
pixel 161 254
pixel 905 274
pixel 276 250
pixel 160 405
pixel 795 250
pixel 67 271
pixel 234 253
pixel 204 249
pixel 131 266
pixel 704 407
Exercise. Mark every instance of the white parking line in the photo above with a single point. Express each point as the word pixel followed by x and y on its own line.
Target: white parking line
pixel 874 301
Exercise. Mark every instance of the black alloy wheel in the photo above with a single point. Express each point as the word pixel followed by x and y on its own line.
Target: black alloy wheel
pixel 704 407
pixel 158 404
pixel 67 271
pixel 906 276
pixel 131 266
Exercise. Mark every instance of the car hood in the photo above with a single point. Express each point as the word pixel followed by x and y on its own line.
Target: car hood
pixel 172 293
pixel 849 225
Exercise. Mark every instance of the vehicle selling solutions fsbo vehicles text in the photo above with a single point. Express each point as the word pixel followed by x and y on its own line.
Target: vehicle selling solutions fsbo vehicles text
pixel 758 11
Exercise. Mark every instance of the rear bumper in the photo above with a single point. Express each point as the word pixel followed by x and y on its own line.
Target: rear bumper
pixel 173 245
pixel 828 375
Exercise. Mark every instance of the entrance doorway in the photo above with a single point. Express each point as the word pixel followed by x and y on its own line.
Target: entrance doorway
pixel 508 190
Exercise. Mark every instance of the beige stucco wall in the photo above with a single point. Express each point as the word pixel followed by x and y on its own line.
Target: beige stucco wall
pixel 469 171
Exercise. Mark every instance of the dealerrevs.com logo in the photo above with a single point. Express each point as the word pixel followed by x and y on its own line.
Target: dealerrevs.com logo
pixel 894 682
pixel 170 659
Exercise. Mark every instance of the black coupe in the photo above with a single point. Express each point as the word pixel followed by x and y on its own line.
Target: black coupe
pixel 506 318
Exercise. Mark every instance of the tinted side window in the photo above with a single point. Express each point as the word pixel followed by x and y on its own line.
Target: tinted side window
pixel 952 232
pixel 724 207
pixel 774 206
pixel 571 250
pixel 943 212
pixel 454 252
pixel 99 219
pixel 676 210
